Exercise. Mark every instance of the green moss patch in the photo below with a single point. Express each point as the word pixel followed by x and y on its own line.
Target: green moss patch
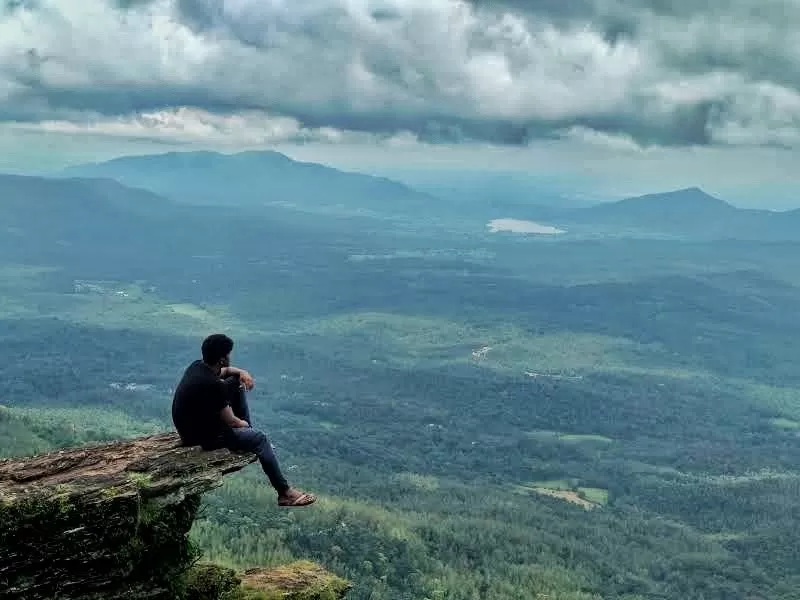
pixel 300 580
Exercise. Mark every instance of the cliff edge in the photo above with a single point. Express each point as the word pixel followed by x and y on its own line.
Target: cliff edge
pixel 111 521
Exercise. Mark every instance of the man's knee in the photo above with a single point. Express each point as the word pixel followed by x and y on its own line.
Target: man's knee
pixel 260 438
pixel 248 439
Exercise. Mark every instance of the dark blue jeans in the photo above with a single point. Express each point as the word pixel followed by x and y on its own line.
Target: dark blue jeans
pixel 248 439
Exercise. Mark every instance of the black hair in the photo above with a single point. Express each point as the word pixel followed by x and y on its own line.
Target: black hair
pixel 216 347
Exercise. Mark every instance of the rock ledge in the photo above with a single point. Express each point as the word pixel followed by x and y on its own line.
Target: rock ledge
pixel 111 521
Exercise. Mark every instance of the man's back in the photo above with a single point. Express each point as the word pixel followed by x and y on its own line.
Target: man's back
pixel 196 405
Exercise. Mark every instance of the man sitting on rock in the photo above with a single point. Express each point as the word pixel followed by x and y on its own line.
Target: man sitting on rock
pixel 209 409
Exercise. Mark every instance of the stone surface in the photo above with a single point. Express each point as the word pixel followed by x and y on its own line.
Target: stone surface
pixel 159 461
pixel 107 521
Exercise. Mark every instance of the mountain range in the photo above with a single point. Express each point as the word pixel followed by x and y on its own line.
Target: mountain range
pixel 688 212
pixel 263 179
pixel 65 220
pixel 255 178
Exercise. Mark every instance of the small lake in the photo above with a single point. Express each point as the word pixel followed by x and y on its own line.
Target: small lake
pixel 520 226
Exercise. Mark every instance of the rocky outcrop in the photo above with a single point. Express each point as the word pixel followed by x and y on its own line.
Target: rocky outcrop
pixel 297 581
pixel 111 521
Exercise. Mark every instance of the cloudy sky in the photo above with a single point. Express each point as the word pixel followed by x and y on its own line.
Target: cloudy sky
pixel 632 95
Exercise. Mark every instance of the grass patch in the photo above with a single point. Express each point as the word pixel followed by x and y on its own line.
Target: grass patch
pixel 782 400
pixel 570 437
pixel 301 580
pixel 112 304
pixel 415 480
pixel 788 424
pixel 569 491
pixel 566 495
pixel 722 537
pixel 552 484
pixel 555 436
pixel 20 286
pixel 594 495
pixel 130 307
pixel 194 312
pixel 431 342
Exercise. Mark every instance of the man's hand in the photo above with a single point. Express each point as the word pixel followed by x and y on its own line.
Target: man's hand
pixel 231 420
pixel 246 379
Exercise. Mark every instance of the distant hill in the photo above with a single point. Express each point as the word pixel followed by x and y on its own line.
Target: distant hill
pixel 46 217
pixel 491 193
pixel 691 213
pixel 28 196
pixel 106 229
pixel 255 178
pixel 79 207
pixel 674 206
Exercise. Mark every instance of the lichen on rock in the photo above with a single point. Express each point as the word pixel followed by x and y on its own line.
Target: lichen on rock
pixel 300 580
pixel 112 521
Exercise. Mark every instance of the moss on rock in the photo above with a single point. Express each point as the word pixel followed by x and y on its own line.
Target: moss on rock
pixel 300 580
pixel 210 582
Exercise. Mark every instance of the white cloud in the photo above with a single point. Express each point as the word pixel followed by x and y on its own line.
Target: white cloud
pixel 618 143
pixel 192 125
pixel 763 114
pixel 251 71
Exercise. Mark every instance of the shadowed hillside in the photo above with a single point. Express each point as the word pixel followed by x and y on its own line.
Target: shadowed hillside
pixel 690 213
pixel 256 179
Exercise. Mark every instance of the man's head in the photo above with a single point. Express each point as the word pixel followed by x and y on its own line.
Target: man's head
pixel 216 350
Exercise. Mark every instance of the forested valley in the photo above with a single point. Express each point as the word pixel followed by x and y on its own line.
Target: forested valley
pixel 484 415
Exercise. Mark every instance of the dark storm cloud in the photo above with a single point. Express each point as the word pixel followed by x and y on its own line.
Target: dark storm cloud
pixel 754 37
pixel 653 72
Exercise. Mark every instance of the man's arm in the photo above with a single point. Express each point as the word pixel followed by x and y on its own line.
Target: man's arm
pixel 245 377
pixel 219 402
pixel 231 420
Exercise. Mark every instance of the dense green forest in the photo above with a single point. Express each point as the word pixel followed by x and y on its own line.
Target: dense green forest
pixel 485 416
